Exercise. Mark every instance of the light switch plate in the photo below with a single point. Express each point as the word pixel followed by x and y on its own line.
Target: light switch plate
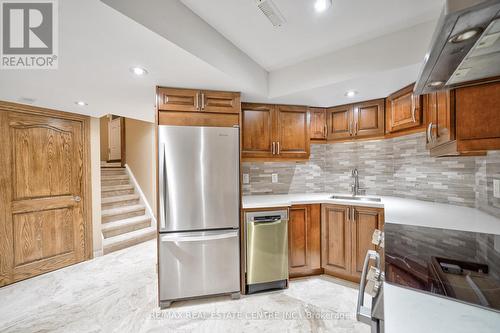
pixel 274 177
pixel 246 178
pixel 496 188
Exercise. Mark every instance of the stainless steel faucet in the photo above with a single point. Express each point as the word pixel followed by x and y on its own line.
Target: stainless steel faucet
pixel 355 189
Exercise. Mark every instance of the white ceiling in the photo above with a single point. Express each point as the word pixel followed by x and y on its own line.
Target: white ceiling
pixel 372 46
pixel 308 34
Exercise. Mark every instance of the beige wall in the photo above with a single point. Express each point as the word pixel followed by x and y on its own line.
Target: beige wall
pixel 96 185
pixel 140 156
pixel 104 137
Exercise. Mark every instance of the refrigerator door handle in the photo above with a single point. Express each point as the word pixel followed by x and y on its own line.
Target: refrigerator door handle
pixel 162 188
pixel 363 314
pixel 173 238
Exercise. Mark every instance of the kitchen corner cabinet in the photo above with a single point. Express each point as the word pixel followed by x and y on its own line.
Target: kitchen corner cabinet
pixel 346 237
pixel 319 130
pixel 304 240
pixel 463 121
pixel 352 121
pixel 403 110
pixel 274 132
pixel 190 100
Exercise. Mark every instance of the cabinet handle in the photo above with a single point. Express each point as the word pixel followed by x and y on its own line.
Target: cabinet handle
pixel 77 198
pixel 274 148
pixel 326 130
pixel 278 148
pixel 350 128
pixel 353 215
pixel 349 214
pixel 197 102
pixel 356 128
pixel 430 137
pixel 202 101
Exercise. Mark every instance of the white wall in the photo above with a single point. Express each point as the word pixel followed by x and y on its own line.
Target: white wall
pixel 95 161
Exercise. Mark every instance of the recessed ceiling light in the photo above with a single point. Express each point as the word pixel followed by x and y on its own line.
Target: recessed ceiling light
pixel 322 5
pixel 351 93
pixel 81 103
pixel 465 35
pixel 138 71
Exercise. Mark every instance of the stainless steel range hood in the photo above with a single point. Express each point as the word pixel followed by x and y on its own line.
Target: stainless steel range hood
pixel 465 46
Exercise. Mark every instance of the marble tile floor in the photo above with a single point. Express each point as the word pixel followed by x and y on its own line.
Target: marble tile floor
pixel 118 293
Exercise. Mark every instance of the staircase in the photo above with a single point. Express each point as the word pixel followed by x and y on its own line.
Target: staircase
pixel 124 219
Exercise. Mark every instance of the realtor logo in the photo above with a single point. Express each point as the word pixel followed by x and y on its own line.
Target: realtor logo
pixel 29 34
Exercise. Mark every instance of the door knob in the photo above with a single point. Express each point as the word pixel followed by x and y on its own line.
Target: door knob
pixel 77 198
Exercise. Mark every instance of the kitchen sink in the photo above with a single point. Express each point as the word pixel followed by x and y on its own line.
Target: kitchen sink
pixel 357 198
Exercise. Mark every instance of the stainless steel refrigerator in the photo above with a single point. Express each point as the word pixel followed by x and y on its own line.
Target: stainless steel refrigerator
pixel 199 212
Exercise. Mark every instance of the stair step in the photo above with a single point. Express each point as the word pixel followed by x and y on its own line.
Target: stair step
pixel 112 182
pixel 111 164
pixel 119 201
pixel 120 227
pixel 128 239
pixel 113 177
pixel 113 171
pixel 116 190
pixel 120 213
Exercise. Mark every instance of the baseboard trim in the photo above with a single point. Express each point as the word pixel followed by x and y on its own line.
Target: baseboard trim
pixel 141 194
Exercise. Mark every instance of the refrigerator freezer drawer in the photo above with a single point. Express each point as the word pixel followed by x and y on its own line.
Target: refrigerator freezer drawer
pixel 267 251
pixel 193 264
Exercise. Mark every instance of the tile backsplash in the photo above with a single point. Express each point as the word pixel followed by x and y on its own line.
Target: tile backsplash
pixel 400 166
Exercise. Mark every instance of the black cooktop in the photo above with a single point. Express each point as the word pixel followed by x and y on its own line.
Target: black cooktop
pixel 457 264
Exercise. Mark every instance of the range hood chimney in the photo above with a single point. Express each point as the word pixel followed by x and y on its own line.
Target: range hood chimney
pixel 465 46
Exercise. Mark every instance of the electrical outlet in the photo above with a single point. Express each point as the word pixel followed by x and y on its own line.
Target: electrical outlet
pixel 496 188
pixel 246 178
pixel 274 177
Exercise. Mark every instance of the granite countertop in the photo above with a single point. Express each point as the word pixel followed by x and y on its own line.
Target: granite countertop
pixel 397 210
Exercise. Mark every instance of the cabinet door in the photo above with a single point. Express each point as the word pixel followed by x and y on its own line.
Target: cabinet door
pixel 366 220
pixel 441 118
pixel 220 102
pixel 339 122
pixel 304 240
pixel 369 118
pixel 336 240
pixel 293 138
pixel 403 110
pixel 478 117
pixel 170 99
pixel 257 130
pixel 318 123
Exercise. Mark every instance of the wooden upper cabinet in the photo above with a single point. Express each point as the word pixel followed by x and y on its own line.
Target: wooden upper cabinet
pixel 440 132
pixel 192 100
pixel 319 130
pixel 275 131
pixel 293 138
pixel 339 122
pixel 257 122
pixel 369 118
pixel 171 99
pixel 403 110
pixel 478 117
pixel 336 240
pixel 220 101
pixel 304 239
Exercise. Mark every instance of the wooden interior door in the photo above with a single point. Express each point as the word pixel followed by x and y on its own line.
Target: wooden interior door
pixel 220 102
pixel 304 240
pixel 257 134
pixel 336 240
pixel 318 124
pixel 44 203
pixel 293 136
pixel 366 220
pixel 339 122
pixel 115 140
pixel 369 118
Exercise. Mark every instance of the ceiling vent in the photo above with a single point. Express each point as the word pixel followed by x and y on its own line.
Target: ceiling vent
pixel 273 14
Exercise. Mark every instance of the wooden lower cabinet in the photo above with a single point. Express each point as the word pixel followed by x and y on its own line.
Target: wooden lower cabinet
pixel 346 237
pixel 45 217
pixel 304 240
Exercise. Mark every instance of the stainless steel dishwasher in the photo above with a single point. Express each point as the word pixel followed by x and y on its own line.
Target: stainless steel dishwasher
pixel 266 250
